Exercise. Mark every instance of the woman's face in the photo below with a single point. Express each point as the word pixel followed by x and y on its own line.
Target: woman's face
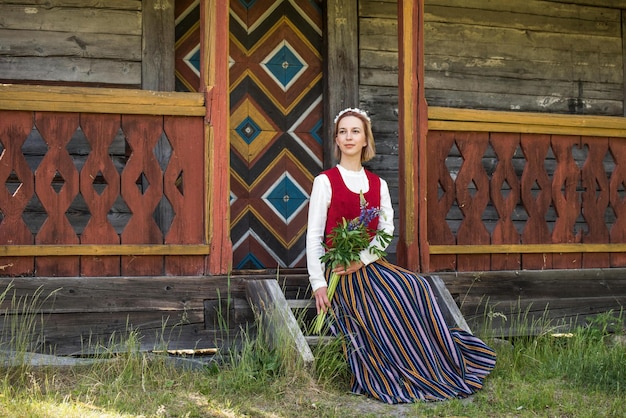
pixel 351 137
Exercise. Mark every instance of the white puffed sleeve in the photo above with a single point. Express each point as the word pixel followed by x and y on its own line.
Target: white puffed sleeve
pixel 318 211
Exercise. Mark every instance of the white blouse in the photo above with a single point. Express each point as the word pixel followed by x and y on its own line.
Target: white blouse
pixel 356 181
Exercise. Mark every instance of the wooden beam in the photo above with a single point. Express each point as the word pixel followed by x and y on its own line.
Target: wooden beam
pixel 624 57
pixel 100 250
pixel 412 115
pixel 100 100
pixel 613 4
pixel 341 66
pixel 214 38
pixel 527 248
pixel 157 62
pixel 272 309
pixel 469 120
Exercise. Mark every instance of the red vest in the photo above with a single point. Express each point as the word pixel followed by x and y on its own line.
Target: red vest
pixel 346 204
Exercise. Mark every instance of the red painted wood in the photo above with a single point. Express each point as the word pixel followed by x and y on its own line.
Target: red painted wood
pixel 617 199
pixel 438 206
pixel 566 200
pixel 595 200
pixel 413 243
pixel 57 169
pixel 14 129
pixel 142 134
pixel 472 202
pixel 505 199
pixel 214 69
pixel 183 186
pixel 100 130
pixel 536 202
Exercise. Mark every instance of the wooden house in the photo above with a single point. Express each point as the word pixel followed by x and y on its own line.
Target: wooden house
pixel 157 155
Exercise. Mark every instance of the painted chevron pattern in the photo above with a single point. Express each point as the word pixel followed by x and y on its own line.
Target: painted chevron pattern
pixel 275 124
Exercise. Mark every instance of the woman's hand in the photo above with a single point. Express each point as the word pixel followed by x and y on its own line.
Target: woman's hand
pixel 321 299
pixel 353 267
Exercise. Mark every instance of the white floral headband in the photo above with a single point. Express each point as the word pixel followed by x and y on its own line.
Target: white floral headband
pixel 352 109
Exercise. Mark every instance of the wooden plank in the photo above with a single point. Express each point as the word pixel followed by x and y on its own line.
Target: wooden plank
pixel 569 9
pixel 485 83
pixel 341 64
pixel 525 102
pixel 276 317
pixel 615 4
pixel 71 295
pixel 441 196
pixel 615 248
pixel 184 192
pixel 80 19
pixel 100 131
pixel 505 194
pixel 379 34
pixel 378 8
pixel 595 199
pixel 565 200
pixel 14 129
pixel 534 16
pixel 472 196
pixel 101 95
pixel 616 200
pixel 57 196
pixel 535 149
pixel 527 118
pixel 99 4
pixel 555 296
pixel 100 100
pixel 100 250
pixel 142 134
pixel 24 43
pixel 523 129
pixel 69 69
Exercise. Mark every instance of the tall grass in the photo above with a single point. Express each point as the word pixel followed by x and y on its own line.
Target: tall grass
pixel 578 374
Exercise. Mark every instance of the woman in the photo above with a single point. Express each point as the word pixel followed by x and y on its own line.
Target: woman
pixel 398 346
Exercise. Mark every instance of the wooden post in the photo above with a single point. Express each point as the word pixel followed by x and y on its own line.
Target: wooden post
pixel 624 57
pixel 214 85
pixel 341 66
pixel 413 127
pixel 157 61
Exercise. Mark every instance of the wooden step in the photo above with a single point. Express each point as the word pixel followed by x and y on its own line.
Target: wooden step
pixel 275 315
pixel 315 340
pixel 301 303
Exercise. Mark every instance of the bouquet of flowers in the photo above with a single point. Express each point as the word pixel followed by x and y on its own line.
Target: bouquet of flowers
pixel 349 238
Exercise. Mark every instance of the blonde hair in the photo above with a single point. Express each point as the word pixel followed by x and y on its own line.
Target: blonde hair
pixel 369 151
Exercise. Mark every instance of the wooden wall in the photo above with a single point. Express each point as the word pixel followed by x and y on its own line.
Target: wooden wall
pixel 378 89
pixel 71 42
pixel 534 56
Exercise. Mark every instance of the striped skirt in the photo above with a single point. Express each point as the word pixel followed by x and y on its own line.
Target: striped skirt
pixel 398 345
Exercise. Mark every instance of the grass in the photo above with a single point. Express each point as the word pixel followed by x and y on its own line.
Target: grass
pixel 577 375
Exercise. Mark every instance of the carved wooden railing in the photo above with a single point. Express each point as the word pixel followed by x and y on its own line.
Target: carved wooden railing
pixel 139 212
pixel 508 191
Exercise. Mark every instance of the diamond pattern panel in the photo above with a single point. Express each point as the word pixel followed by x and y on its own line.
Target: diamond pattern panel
pixel 276 120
